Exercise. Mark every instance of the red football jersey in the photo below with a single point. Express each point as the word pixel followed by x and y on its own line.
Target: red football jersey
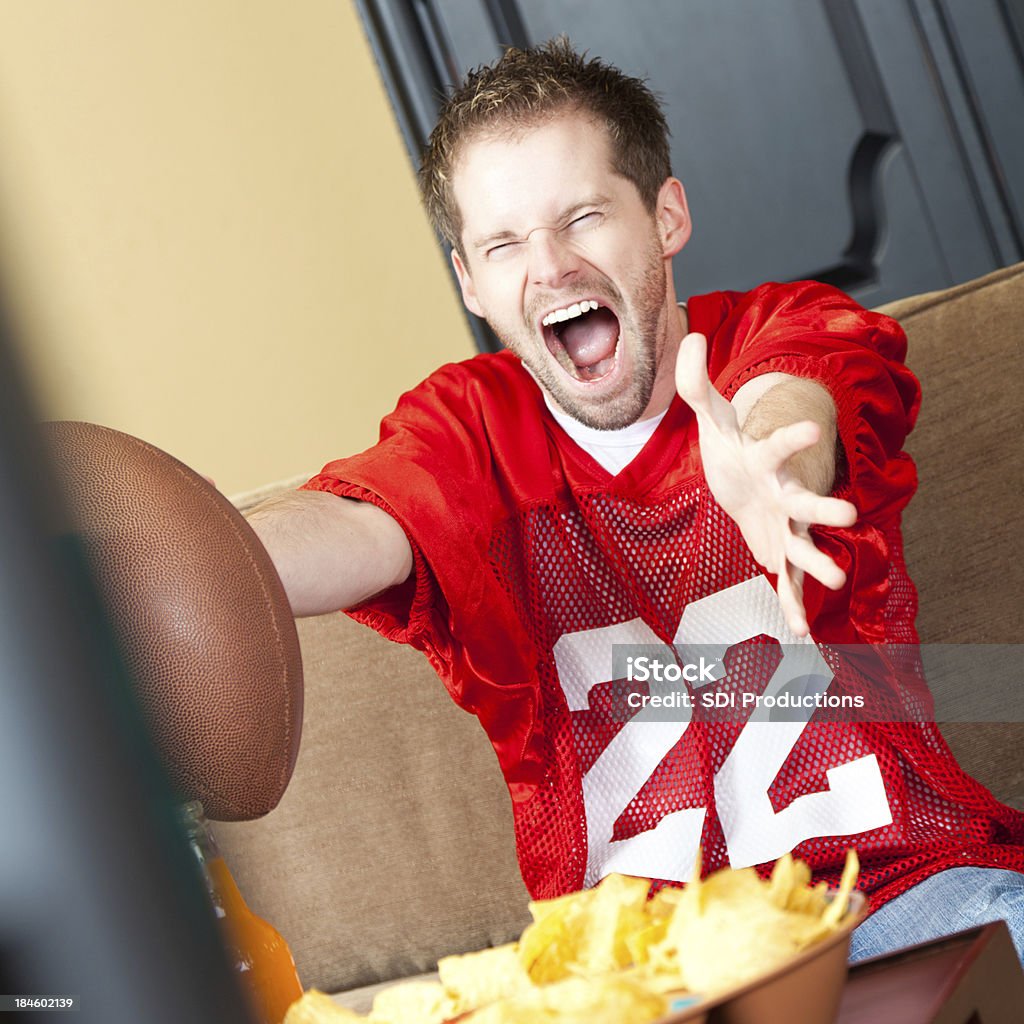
pixel 531 562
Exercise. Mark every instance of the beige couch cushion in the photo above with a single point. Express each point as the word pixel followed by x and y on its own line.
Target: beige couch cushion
pixel 963 529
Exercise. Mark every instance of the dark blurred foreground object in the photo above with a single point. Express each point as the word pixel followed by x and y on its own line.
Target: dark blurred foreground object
pixel 199 612
pixel 100 897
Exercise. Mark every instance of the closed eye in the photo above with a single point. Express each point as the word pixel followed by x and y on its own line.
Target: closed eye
pixel 585 220
pixel 501 251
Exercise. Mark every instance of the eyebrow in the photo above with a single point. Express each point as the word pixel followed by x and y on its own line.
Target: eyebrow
pixel 567 215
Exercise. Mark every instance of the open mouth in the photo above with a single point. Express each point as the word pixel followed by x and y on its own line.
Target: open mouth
pixel 584 339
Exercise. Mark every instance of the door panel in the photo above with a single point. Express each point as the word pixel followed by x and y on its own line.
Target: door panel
pixel 869 143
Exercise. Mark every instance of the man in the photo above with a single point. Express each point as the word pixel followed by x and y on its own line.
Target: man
pixel 632 471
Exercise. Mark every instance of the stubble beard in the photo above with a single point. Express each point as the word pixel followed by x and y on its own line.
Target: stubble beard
pixel 641 337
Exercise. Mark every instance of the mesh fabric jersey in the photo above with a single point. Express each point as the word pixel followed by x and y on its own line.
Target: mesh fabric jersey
pixel 532 562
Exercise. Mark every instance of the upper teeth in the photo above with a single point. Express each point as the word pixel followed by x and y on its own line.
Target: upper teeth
pixel 576 309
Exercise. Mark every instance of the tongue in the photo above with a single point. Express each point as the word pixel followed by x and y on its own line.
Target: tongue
pixel 591 338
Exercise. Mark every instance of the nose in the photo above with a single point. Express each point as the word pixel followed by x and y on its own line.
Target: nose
pixel 553 261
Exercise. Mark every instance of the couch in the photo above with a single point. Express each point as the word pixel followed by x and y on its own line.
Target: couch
pixel 393 843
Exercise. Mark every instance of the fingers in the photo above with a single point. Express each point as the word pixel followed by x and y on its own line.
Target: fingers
pixel 791 598
pixel 802 553
pixel 692 381
pixel 805 506
pixel 804 558
pixel 695 387
pixel 782 444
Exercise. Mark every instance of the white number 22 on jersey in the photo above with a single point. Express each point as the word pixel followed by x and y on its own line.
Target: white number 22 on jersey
pixel 854 802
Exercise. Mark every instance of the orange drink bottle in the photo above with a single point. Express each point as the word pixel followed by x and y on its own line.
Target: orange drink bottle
pixel 257 950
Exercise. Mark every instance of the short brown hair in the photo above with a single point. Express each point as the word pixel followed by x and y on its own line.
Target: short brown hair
pixel 525 87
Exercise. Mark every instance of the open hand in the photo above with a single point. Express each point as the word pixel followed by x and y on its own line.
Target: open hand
pixel 751 481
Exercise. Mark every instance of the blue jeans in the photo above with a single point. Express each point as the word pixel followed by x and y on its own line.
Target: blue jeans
pixel 949 901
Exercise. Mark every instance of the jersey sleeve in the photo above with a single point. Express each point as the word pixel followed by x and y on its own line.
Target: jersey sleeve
pixel 814 331
pixel 428 471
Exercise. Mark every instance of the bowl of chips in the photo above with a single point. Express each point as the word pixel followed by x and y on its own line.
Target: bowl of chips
pixel 807 989
pixel 731 948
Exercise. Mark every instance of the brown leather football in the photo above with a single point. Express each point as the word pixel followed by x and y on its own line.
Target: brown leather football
pixel 200 613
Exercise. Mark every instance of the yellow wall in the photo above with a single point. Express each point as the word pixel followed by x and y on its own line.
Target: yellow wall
pixel 211 226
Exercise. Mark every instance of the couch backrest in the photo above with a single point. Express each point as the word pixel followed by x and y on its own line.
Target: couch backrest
pixel 393 844
pixel 964 530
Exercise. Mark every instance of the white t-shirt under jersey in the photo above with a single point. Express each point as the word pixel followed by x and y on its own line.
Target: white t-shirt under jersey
pixel 612 449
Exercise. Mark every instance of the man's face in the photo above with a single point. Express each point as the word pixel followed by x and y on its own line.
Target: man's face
pixel 569 268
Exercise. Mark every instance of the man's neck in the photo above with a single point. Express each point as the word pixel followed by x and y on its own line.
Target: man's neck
pixel 676 328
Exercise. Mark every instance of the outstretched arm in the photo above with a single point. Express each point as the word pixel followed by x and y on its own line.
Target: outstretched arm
pixel 769 460
pixel 331 553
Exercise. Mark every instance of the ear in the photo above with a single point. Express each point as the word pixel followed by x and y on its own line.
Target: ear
pixel 469 296
pixel 673 216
